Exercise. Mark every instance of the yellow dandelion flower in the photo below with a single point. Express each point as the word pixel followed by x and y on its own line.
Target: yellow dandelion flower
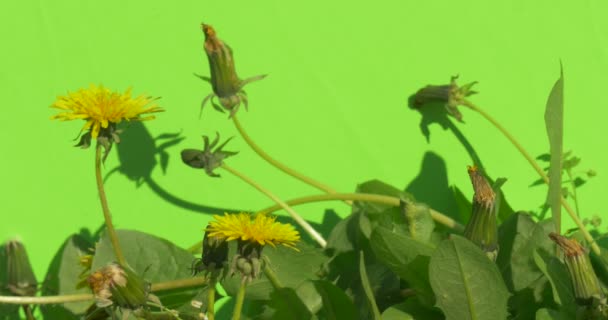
pixel 99 107
pixel 262 229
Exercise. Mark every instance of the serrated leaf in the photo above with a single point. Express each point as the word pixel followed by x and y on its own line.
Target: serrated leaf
pixel 518 238
pixel 367 288
pixel 291 267
pixel 153 258
pixel 559 278
pixel 554 122
pixel 63 276
pixel 467 285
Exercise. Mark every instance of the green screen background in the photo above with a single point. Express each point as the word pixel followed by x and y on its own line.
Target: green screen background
pixel 334 105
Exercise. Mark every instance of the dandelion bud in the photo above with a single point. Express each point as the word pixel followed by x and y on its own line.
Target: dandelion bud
pixel 115 285
pixel 214 256
pixel 481 228
pixel 584 281
pixel 210 158
pixel 20 277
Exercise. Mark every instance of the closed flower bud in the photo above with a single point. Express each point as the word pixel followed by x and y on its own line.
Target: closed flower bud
pixel 115 285
pixel 584 281
pixel 452 95
pixel 214 256
pixel 482 229
pixel 20 278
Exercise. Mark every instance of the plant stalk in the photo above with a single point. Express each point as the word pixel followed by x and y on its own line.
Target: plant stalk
pixel 574 196
pixel 211 299
pixel 272 277
pixel 280 165
pixel 106 210
pixel 541 173
pixel 161 286
pixel 303 223
pixel 240 298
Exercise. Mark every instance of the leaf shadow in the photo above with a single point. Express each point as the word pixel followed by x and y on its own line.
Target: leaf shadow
pixel 139 154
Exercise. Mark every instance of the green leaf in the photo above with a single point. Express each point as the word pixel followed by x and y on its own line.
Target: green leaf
pixel 554 122
pixel 287 305
pixel 420 224
pixel 407 258
pixel 465 208
pixel 413 309
pixel 346 235
pixel 292 269
pixel 549 314
pixel 368 289
pixel 466 283
pixel 153 258
pixel 544 157
pixel 378 187
pixel 559 278
pixel 518 238
pixel 336 305
pixel 395 313
pixel 63 276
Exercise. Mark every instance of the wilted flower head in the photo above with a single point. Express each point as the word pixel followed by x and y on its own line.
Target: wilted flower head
pixel 252 234
pixel 227 86
pixel 20 277
pixel 214 256
pixel 209 158
pixel 482 229
pixel 103 109
pixel 452 95
pixel 115 285
pixel 585 283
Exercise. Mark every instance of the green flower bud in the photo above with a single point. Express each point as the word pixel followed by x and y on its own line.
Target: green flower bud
pixel 482 229
pixel 20 278
pixel 208 158
pixel 214 256
pixel 584 281
pixel 115 285
pixel 247 262
pixel 452 95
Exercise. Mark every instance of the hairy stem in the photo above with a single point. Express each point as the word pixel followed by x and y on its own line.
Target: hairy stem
pixel 280 165
pixel 367 197
pixel 211 299
pixel 161 286
pixel 106 210
pixel 539 170
pixel 240 298
pixel 303 223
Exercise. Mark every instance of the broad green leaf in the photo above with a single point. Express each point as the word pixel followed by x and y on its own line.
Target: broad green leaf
pixel 395 313
pixel 411 308
pixel 554 122
pixel 286 304
pixel 420 224
pixel 467 285
pixel 378 187
pixel 63 276
pixel 559 278
pixel 518 238
pixel 549 314
pixel 154 258
pixel 407 258
pixel 368 289
pixel 346 235
pixel 292 268
pixel 336 305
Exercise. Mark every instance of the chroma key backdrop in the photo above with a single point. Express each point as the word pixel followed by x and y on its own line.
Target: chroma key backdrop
pixel 388 122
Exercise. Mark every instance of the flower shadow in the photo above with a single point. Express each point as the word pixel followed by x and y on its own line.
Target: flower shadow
pixel 139 154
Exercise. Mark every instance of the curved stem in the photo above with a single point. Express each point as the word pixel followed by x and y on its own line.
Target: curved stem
pixel 106 210
pixel 303 223
pixel 278 164
pixel 574 196
pixel 367 197
pixel 161 286
pixel 272 277
pixel 211 299
pixel 240 298
pixel 539 170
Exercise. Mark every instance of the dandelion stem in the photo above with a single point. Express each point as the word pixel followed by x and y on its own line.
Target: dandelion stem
pixel 367 197
pixel 272 277
pixel 541 173
pixel 211 299
pixel 240 298
pixel 161 286
pixel 280 165
pixel 303 223
pixel 106 210
pixel 573 186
